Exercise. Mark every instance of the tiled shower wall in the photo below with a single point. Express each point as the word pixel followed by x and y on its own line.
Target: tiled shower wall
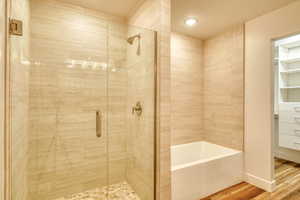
pixel 117 122
pixel 68 84
pixel 155 15
pixel 141 82
pixel 186 89
pixel 224 88
pixel 208 89
pixel 19 66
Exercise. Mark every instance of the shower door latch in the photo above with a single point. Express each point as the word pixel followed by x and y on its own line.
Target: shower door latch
pixel 15 27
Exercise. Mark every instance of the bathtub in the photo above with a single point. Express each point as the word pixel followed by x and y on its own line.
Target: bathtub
pixel 200 169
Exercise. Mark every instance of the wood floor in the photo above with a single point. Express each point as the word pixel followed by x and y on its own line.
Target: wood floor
pixel 287 175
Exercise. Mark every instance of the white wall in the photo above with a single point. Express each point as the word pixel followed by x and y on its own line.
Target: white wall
pixel 259 89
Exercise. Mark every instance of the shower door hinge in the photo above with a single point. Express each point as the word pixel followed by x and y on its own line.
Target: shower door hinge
pixel 15 27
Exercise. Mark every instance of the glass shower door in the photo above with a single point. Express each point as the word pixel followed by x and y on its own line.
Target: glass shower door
pixel 59 102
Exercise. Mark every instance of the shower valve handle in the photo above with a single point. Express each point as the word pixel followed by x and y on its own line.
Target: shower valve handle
pixel 137 109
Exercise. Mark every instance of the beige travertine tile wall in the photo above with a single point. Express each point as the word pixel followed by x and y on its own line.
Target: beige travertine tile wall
pixel 68 83
pixel 117 101
pixel 141 82
pixel 2 65
pixel 19 66
pixel 224 88
pixel 155 15
pixel 186 89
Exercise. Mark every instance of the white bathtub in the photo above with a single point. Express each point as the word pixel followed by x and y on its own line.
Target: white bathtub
pixel 200 169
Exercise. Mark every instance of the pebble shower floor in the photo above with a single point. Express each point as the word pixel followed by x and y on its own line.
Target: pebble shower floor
pixel 120 191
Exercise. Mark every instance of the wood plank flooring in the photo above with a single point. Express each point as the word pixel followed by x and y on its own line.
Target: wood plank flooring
pixel 287 175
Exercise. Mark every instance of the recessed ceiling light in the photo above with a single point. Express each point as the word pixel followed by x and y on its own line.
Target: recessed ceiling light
pixel 191 21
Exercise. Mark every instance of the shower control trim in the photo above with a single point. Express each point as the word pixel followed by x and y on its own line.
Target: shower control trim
pixel 98 124
pixel 137 109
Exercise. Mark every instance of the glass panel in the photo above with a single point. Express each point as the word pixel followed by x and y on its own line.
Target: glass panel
pixel 2 56
pixel 131 94
pixel 19 84
pixel 59 69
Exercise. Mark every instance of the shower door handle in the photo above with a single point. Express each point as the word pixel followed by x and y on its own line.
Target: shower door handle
pixel 98 123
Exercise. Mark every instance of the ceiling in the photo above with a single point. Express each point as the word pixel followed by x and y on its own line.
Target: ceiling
pixel 215 16
pixel 120 8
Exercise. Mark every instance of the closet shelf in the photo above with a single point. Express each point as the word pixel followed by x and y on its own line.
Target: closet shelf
pixel 290 71
pixel 290 60
pixel 290 45
pixel 290 87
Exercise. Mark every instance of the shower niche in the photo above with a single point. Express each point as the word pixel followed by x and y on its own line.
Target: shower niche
pixel 287 59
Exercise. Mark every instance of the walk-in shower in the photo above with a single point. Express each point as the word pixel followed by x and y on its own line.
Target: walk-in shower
pixel 74 80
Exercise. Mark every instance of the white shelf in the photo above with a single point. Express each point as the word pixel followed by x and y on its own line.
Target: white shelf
pixel 290 45
pixel 290 102
pixel 290 60
pixel 290 87
pixel 290 71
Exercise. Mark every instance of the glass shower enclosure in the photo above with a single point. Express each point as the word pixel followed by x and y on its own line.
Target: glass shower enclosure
pixel 82 104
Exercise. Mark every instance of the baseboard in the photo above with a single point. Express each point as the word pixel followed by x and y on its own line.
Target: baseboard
pixel 264 184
